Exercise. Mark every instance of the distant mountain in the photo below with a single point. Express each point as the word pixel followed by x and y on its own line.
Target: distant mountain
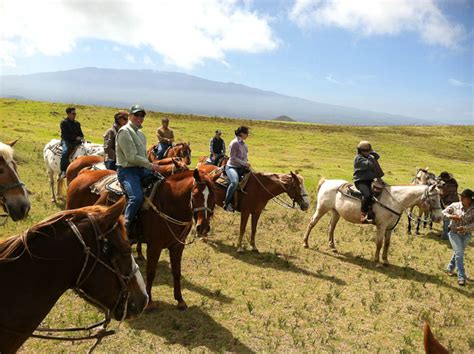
pixel 284 119
pixel 182 93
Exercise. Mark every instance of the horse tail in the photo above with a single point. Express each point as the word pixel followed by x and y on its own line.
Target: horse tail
pixel 432 346
pixel 321 181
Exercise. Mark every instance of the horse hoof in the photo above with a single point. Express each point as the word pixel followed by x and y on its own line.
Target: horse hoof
pixel 182 306
pixel 334 250
pixel 150 307
pixel 240 250
pixel 255 250
pixel 386 264
pixel 378 265
pixel 305 245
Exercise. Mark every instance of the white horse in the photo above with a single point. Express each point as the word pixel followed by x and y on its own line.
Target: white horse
pixel 52 158
pixel 393 201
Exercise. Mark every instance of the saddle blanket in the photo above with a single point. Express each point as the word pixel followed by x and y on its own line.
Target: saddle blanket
pixel 108 183
pixel 223 181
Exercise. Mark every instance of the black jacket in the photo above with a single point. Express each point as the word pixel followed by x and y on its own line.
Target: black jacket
pixel 364 167
pixel 70 130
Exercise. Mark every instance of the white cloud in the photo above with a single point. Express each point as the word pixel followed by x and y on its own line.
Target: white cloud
pixel 130 58
pixel 458 83
pixel 147 60
pixel 184 32
pixel 116 48
pixel 377 17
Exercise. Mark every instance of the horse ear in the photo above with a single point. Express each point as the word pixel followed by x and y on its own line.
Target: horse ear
pixel 112 214
pixel 196 175
pixel 417 169
pixel 427 168
pixel 13 142
pixel 293 174
pixel 297 172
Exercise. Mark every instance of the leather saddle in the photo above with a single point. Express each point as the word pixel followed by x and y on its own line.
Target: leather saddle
pixel 57 150
pixel 223 181
pixel 351 191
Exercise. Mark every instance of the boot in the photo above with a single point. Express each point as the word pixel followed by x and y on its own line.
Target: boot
pixel 363 217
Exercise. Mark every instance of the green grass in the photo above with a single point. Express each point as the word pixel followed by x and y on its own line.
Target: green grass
pixel 286 298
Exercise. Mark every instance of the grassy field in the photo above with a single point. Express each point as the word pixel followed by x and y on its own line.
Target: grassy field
pixel 285 299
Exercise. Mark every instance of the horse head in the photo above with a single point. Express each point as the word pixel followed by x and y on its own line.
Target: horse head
pixel 183 150
pixel 433 199
pixel 113 280
pixel 297 191
pixel 202 202
pixel 13 194
pixel 179 165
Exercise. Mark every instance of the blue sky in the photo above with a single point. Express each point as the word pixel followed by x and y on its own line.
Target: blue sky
pixel 413 58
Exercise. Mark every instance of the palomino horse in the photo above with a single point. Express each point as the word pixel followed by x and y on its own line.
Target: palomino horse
pixel 260 189
pixel 432 346
pixel 182 150
pixel 79 193
pixel 422 177
pixel 13 194
pixel 52 159
pixel 393 201
pixel 180 198
pixel 85 250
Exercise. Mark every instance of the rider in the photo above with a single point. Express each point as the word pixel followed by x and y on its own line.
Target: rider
pixel 165 138
pixel 133 165
pixel 216 148
pixel 71 136
pixel 237 164
pixel 449 195
pixel 365 171
pixel 121 118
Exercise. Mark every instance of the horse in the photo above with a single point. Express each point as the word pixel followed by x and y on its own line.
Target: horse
pixel 82 162
pixel 259 190
pixel 180 199
pixel 52 158
pixel 13 194
pixel 432 346
pixel 203 160
pixel 182 150
pixel 392 202
pixel 79 193
pixel 422 177
pixel 85 250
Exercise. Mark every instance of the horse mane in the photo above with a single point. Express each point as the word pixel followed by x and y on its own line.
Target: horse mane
pixel 189 173
pixel 14 243
pixel 432 346
pixel 6 151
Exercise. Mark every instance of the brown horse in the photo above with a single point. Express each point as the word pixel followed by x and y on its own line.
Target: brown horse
pixel 85 250
pixel 80 163
pixel 260 189
pixel 13 194
pixel 432 346
pixel 182 150
pixel 79 193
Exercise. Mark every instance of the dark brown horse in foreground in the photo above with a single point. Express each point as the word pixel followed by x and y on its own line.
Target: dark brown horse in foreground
pixel 85 250
pixel 182 150
pixel 180 199
pixel 260 189
pixel 13 194
pixel 432 346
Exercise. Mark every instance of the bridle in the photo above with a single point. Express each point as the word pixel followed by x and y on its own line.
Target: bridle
pixel 3 189
pixel 427 197
pixel 122 298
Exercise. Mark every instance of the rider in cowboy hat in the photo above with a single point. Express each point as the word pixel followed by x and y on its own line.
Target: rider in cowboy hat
pixel 449 195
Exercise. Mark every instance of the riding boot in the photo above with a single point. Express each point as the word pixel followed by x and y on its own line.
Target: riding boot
pixel 134 230
pixel 370 216
pixel 363 217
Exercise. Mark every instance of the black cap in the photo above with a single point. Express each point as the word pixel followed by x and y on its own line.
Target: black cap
pixel 467 193
pixel 445 175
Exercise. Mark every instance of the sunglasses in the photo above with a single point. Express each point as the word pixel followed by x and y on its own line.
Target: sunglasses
pixel 140 114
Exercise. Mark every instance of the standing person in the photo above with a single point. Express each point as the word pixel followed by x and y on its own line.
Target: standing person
pixel 366 169
pixel 449 195
pixel 237 164
pixel 133 165
pixel 461 225
pixel 71 136
pixel 216 148
pixel 121 118
pixel 165 137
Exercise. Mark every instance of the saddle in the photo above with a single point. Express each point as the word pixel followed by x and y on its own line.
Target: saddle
pixel 223 182
pixel 351 191
pixel 57 149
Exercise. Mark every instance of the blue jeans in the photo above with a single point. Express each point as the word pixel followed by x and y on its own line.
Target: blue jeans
pixel 459 243
pixel 131 180
pixel 162 147
pixel 444 234
pixel 65 155
pixel 110 165
pixel 234 174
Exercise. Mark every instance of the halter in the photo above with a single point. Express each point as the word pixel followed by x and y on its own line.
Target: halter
pixel 83 276
pixel 3 189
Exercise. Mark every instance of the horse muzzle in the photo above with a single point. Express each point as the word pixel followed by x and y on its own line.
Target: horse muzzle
pixel 202 230
pixel 18 209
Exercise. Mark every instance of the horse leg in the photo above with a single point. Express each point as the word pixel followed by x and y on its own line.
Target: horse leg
pixel 312 223
pixel 51 185
pixel 176 251
pixel 255 217
pixel 418 226
pixel 409 224
pixel 244 217
pixel 378 245
pixel 152 255
pixel 332 225
pixel 139 252
pixel 386 245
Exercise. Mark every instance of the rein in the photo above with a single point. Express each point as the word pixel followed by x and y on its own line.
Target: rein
pixel 81 279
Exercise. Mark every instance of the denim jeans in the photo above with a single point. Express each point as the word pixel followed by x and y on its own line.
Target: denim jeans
pixel 459 243
pixel 162 147
pixel 234 174
pixel 131 180
pixel 65 155
pixel 110 165
pixel 444 234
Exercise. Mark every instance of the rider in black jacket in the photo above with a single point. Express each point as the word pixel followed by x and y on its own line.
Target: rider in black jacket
pixel 71 135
